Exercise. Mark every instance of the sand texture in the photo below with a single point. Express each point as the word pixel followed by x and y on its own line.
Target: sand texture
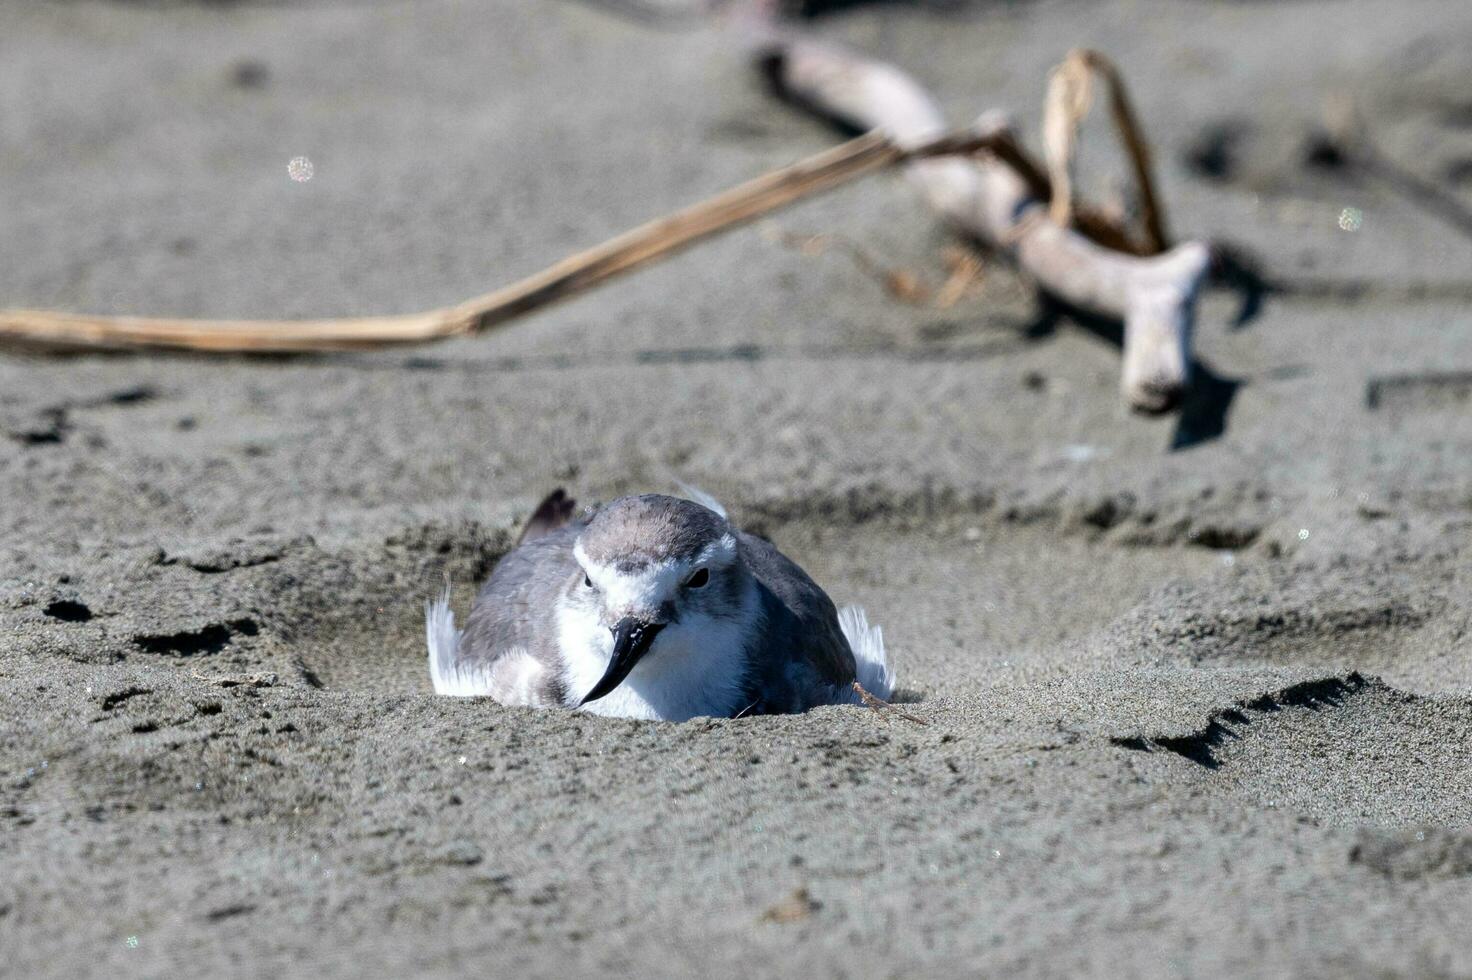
pixel 1198 688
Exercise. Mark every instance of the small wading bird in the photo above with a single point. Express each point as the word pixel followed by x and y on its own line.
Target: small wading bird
pixel 653 607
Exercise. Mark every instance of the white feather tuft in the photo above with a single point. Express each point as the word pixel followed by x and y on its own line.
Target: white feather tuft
pixel 867 642
pixel 446 673
pixel 701 497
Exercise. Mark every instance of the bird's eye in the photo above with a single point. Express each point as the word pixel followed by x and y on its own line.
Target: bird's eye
pixel 698 580
pixel 587 581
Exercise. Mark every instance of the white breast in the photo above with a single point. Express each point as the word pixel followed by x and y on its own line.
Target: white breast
pixel 695 668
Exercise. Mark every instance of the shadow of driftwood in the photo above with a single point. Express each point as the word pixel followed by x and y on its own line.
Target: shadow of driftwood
pixel 1204 408
pixel 1235 270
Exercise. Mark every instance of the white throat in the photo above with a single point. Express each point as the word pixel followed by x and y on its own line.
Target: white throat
pixel 695 667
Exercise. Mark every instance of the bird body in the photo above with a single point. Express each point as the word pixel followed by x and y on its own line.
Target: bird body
pixel 653 607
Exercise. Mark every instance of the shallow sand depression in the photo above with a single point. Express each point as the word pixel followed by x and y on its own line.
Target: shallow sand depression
pixel 1197 689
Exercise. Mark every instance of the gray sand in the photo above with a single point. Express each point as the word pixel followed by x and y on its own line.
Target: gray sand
pixel 1198 688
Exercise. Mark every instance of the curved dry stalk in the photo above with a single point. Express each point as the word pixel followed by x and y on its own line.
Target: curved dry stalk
pixel 575 274
pixel 1069 98
pixel 1003 204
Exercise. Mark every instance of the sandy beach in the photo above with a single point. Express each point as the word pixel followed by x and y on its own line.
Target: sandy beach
pixel 1197 687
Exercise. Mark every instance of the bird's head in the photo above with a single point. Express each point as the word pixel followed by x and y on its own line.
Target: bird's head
pixel 648 564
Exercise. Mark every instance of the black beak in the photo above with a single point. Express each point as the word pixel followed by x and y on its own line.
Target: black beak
pixel 632 639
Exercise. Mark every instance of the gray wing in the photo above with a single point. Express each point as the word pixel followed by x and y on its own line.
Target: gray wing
pixel 511 631
pixel 801 655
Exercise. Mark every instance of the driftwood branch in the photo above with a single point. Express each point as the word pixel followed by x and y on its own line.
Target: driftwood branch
pixel 1002 199
pixel 981 180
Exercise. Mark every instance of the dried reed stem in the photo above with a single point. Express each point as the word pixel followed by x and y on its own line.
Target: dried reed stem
pixel 576 274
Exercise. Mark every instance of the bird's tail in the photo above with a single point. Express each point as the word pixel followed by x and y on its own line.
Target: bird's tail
pixel 702 498
pixel 443 639
pixel 872 669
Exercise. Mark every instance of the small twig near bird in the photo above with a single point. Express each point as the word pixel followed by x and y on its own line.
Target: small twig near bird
pixel 879 706
pixel 980 179
pixel 576 274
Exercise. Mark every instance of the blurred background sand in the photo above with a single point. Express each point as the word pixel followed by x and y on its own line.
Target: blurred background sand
pixel 1198 687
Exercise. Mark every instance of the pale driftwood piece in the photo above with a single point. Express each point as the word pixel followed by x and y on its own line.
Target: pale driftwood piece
pixel 1155 297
